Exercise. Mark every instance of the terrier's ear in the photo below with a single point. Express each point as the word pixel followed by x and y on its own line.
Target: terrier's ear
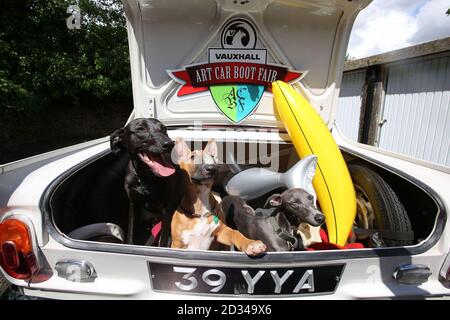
pixel 180 151
pixel 274 200
pixel 116 140
pixel 211 148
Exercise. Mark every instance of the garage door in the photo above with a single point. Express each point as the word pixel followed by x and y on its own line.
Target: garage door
pixel 349 106
pixel 417 110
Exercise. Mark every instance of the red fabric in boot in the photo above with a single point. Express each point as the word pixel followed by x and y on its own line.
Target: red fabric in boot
pixel 156 230
pixel 326 245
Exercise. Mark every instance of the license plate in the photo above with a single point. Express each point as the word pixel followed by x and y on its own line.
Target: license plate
pixel 245 281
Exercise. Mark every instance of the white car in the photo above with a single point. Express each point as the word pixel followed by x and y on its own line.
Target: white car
pixel 204 69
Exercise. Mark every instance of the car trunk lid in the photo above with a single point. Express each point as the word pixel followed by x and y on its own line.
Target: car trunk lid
pixel 213 60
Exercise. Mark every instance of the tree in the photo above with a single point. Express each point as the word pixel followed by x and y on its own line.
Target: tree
pixel 42 62
pixel 348 57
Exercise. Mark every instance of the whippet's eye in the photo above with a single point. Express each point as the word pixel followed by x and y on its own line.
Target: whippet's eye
pixel 193 157
pixel 310 197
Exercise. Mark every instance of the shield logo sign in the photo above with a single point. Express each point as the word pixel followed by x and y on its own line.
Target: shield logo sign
pixel 237 74
pixel 237 102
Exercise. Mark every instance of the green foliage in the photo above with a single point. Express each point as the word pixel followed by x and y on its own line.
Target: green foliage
pixel 43 62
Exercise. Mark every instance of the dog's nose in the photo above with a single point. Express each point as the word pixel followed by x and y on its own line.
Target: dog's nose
pixel 210 168
pixel 167 145
pixel 320 218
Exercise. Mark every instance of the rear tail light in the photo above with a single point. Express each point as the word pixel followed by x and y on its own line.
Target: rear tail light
pixel 17 256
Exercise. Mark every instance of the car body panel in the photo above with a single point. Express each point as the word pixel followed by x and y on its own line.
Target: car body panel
pixel 127 276
pixel 122 275
pixel 13 173
pixel 300 35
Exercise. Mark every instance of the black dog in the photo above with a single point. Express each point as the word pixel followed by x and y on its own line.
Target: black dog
pixel 151 179
pixel 277 225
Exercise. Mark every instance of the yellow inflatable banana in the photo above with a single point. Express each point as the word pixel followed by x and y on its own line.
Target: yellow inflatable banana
pixel 332 182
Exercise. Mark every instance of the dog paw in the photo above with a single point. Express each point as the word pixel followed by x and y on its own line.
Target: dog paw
pixel 255 248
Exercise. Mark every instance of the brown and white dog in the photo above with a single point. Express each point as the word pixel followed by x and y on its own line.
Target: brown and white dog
pixel 199 219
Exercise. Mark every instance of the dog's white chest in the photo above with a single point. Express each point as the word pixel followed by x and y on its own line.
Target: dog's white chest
pixel 200 237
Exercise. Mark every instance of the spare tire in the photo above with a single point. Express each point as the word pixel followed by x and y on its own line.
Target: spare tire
pixel 379 209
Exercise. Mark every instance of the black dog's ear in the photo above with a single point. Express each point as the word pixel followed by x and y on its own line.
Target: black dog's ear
pixel 273 201
pixel 116 140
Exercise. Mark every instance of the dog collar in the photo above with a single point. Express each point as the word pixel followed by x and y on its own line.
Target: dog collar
pixel 203 215
pixel 294 242
pixel 265 213
pixel 133 167
pixel 206 215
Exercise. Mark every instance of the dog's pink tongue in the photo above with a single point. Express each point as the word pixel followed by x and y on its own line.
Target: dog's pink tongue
pixel 158 165
pixel 163 169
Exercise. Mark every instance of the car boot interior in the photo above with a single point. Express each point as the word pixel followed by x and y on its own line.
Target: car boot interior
pixel 94 194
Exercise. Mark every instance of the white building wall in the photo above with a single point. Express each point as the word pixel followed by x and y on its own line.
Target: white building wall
pixel 417 109
pixel 349 107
